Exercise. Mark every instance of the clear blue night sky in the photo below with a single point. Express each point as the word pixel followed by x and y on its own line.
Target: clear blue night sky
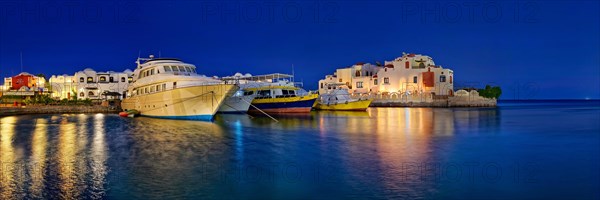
pixel 533 49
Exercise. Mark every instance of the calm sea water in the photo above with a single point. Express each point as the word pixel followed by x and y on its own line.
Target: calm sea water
pixel 525 150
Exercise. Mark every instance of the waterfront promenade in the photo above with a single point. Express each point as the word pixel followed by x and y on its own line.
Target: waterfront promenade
pixel 54 109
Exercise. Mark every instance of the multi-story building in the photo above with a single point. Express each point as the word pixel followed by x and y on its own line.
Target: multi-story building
pixel 409 75
pixel 89 84
pixel 24 82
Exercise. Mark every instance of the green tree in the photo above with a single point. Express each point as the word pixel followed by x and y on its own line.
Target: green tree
pixel 490 92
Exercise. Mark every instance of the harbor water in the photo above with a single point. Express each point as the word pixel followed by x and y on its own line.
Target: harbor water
pixel 521 149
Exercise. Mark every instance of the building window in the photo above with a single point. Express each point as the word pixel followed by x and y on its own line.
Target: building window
pixel 406 65
pixel 130 79
pixel 442 78
pixel 81 79
pixel 374 81
pixel 386 80
pixel 102 79
pixel 357 74
pixel 81 94
pixel 90 93
pixel 321 85
pixel 450 79
pixel 340 80
pixel 112 79
pixel 415 79
pixel 123 79
pixel 359 84
pixel 90 79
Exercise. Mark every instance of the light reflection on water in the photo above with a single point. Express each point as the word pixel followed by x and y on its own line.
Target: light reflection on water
pixel 382 153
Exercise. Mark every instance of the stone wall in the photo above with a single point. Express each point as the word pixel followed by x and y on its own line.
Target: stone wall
pixel 26 110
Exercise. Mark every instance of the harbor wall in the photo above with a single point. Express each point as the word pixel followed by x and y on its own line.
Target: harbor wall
pixel 450 102
pixel 54 109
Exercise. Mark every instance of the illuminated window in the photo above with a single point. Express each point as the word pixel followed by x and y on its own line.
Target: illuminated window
pixel 130 79
pixel 103 79
pixel 359 84
pixel 90 79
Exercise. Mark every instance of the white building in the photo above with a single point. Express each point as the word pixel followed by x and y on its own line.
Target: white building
pixel 89 84
pixel 408 75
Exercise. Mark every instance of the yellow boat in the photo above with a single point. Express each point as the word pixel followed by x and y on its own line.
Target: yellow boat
pixel 281 99
pixel 339 99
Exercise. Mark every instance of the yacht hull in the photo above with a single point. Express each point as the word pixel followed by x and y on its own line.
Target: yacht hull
pixel 236 104
pixel 301 104
pixel 361 105
pixel 188 103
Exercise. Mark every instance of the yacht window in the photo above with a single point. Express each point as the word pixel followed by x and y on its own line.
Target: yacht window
pixel 164 86
pixel 194 70
pixel 264 93
pixel 152 72
pixel 181 69
pixel 167 69
pixel 284 92
pixel 187 69
pixel 157 88
pixel 174 85
pixel 146 90
pixel 174 68
pixel 151 89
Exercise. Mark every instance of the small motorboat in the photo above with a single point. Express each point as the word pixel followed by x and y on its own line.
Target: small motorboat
pixel 129 113
pixel 339 99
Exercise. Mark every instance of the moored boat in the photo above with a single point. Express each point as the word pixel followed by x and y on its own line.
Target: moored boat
pixel 340 99
pixel 170 88
pixel 281 99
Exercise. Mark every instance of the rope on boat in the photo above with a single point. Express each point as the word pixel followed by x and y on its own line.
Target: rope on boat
pixel 183 100
pixel 263 112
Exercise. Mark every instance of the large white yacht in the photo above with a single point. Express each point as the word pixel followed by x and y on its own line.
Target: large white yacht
pixel 170 88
